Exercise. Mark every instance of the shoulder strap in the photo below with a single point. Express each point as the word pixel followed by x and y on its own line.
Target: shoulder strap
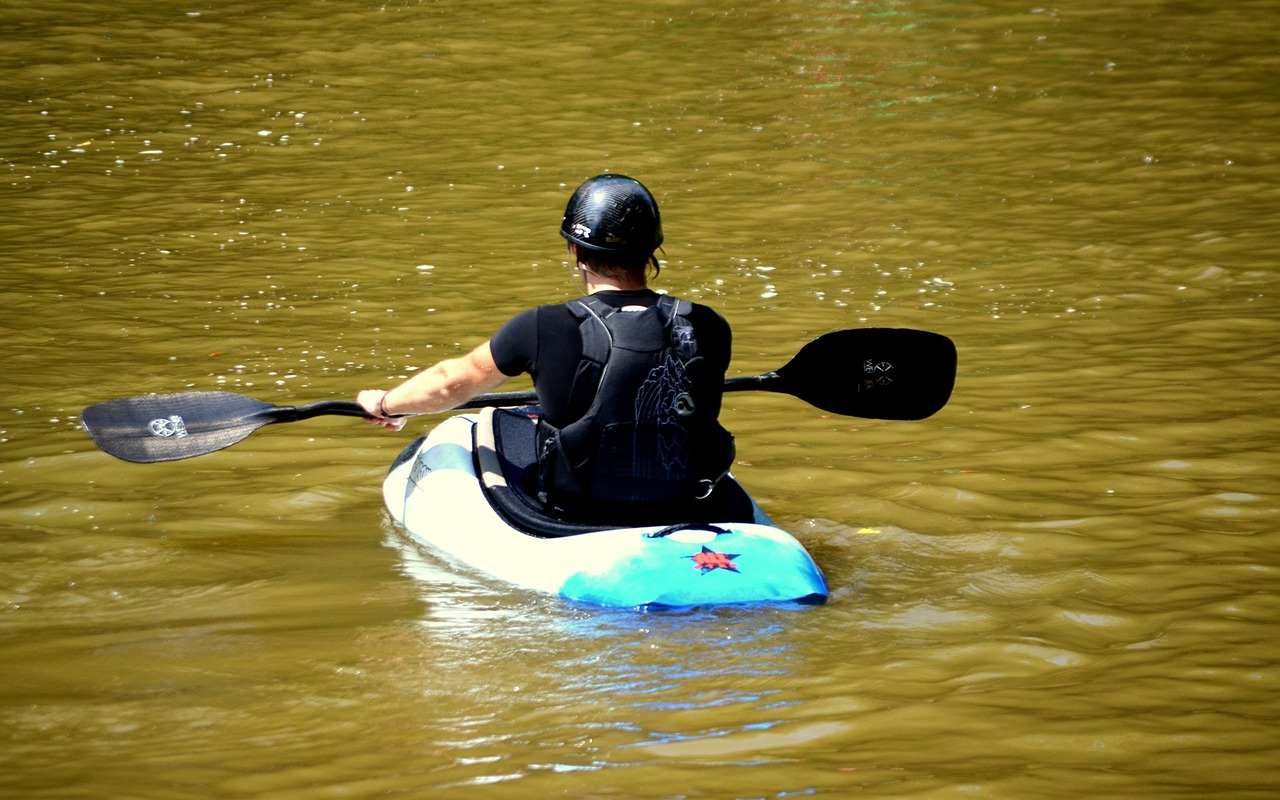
pixel 674 306
pixel 597 340
pixel 597 343
pixel 675 313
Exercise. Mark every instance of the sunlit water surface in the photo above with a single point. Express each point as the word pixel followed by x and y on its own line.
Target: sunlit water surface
pixel 1062 585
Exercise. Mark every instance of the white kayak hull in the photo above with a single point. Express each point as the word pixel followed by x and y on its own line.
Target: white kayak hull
pixel 434 492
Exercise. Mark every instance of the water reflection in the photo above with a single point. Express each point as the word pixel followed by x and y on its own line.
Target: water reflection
pixel 595 676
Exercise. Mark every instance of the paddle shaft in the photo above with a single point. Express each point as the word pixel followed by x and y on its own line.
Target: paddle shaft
pixel 340 408
pixel 768 382
pixel 350 408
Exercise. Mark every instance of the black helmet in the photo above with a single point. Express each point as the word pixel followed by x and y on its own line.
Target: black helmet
pixel 613 214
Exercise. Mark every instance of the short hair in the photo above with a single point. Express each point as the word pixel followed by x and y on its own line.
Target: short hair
pixel 616 265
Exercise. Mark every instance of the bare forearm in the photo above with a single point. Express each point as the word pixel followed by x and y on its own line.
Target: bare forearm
pixel 443 386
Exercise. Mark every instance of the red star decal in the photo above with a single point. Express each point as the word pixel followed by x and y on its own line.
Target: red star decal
pixel 709 559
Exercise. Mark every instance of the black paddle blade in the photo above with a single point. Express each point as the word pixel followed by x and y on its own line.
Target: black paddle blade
pixel 167 427
pixel 877 373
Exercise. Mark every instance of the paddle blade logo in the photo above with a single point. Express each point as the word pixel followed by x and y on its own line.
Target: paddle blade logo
pixel 171 427
pixel 709 559
pixel 878 372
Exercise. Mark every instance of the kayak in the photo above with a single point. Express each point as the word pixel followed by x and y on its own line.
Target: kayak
pixel 461 490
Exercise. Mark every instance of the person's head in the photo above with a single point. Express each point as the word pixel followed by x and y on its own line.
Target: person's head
pixel 612 226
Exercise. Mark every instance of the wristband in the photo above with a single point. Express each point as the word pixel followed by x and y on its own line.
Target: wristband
pixel 382 406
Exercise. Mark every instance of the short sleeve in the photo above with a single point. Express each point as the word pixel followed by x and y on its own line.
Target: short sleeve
pixel 715 338
pixel 515 345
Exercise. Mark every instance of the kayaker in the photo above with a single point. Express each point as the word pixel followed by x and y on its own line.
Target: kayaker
pixel 629 380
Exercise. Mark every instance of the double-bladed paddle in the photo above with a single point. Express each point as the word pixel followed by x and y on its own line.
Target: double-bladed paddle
pixel 875 373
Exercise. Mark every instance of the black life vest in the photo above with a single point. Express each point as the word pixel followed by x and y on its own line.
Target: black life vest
pixel 646 433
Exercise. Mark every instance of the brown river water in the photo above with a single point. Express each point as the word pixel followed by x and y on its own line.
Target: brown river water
pixel 1064 584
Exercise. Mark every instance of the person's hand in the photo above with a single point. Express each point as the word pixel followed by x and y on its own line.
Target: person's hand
pixel 371 401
